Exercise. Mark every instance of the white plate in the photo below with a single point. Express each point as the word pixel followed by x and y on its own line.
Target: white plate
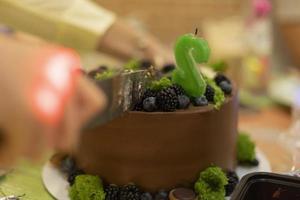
pixel 57 185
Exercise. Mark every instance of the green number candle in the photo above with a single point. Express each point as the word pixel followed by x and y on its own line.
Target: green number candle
pixel 190 50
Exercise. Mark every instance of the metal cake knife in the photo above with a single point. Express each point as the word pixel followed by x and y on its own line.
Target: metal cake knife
pixel 122 90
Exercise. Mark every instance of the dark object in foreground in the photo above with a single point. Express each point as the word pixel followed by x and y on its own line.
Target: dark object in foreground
pixel 267 186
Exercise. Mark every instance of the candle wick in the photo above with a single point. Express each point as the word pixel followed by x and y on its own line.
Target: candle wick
pixel 196 31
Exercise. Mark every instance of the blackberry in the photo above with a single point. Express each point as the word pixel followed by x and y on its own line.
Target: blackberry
pixel 112 192
pixel 226 87
pixel 138 106
pixel 167 100
pixel 183 102
pixel 168 68
pixel 130 192
pixel 200 101
pixel 209 93
pixel 178 90
pixel 233 180
pixel 149 104
pixel 149 93
pixel 73 175
pixel 221 77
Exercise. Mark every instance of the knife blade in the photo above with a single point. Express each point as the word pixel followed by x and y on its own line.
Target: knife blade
pixel 122 91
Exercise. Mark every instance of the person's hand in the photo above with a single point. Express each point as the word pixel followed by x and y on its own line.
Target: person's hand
pixel 24 130
pixel 125 42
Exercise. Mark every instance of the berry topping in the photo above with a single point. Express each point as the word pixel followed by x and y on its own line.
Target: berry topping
pixel 112 192
pixel 200 101
pixel 167 100
pixel 209 93
pixel 233 180
pixel 183 101
pixel 138 106
pixel 146 196
pixel 68 165
pixel 178 89
pixel 149 104
pixel 130 192
pixel 149 93
pixel 220 77
pixel 161 195
pixel 226 87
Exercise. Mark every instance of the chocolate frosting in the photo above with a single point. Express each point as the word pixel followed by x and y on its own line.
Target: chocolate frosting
pixel 161 150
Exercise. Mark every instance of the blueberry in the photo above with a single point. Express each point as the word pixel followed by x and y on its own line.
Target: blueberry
pixel 161 195
pixel 149 104
pixel 184 101
pixel 146 196
pixel 221 77
pixel 226 87
pixel 200 101
pixel 67 165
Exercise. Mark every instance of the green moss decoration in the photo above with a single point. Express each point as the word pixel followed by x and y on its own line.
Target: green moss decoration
pixel 219 97
pixel 206 193
pixel 160 84
pixel 105 75
pixel 219 66
pixel 211 184
pixel 245 148
pixel 133 64
pixel 87 187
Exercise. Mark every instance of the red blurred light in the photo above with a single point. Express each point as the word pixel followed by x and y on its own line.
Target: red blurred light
pixel 48 104
pixel 54 84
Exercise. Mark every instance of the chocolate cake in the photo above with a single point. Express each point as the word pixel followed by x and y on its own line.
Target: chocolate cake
pixel 166 142
pixel 162 149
